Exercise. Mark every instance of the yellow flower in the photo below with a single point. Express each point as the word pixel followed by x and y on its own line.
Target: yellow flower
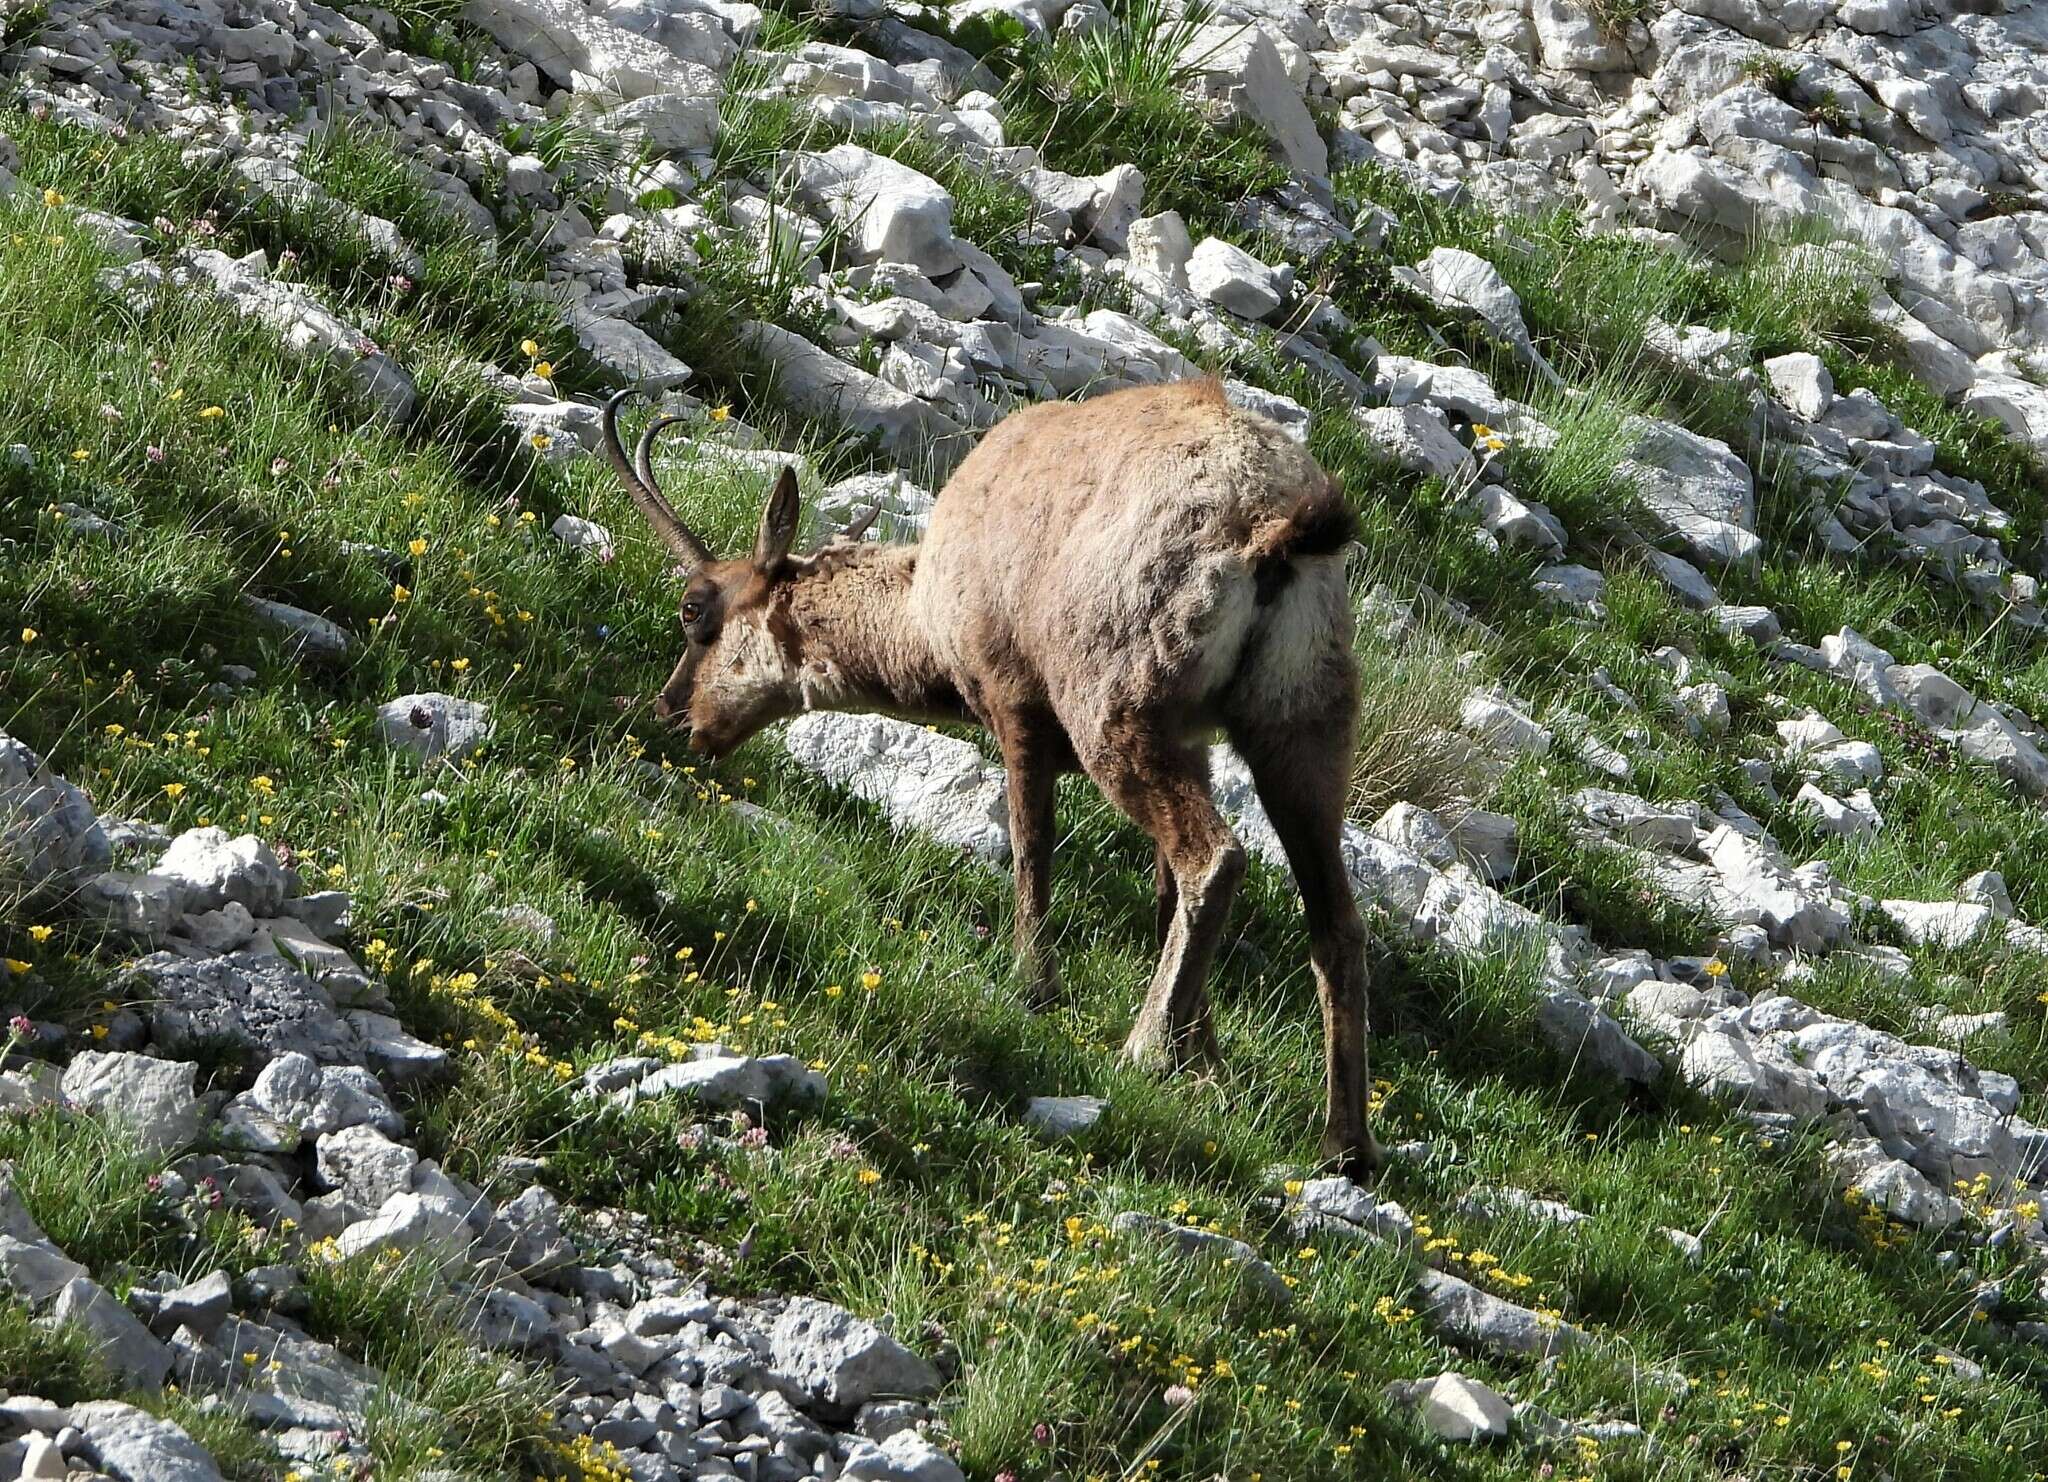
pixel 833 990
pixel 870 1176
pixel 719 413
pixel 544 369
pixel 1715 968
pixel 871 981
pixel 40 933
pixel 29 635
pixel 80 455
pixel 16 966
pixel 543 442
pixel 209 413
pixel 529 349
pixel 400 592
pixel 459 665
pixel 263 785
pixel 417 546
pixel 53 198
pixel 174 790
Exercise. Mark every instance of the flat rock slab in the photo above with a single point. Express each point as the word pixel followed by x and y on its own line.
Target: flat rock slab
pixel 725 1082
pixel 1257 1274
pixel 1064 1116
pixel 261 1003
pixel 1462 1313
pixel 134 1446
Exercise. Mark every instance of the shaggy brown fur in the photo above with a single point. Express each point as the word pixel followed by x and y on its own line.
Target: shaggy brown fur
pixel 1105 586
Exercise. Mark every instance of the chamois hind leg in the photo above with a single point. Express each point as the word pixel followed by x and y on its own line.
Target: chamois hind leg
pixel 1302 771
pixel 1164 787
pixel 1031 757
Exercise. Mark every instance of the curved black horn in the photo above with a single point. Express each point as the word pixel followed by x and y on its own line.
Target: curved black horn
pixel 645 493
pixel 643 454
pixel 860 526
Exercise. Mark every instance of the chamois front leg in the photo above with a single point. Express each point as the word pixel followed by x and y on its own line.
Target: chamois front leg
pixel 1030 758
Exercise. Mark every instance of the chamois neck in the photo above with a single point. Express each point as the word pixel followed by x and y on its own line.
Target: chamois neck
pixel 861 651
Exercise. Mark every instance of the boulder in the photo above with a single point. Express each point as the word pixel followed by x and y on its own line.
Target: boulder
pixel 1239 71
pixel 887 211
pixel 1416 437
pixel 1231 278
pixel 813 382
pixel 213 869
pixel 152 1098
pixel 843 1361
pixel 123 1342
pixel 48 830
pixel 576 47
pixel 1064 1116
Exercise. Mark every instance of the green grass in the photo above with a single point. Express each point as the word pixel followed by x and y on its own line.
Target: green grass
pixel 679 921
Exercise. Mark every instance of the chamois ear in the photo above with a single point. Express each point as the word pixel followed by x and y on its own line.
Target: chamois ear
pixel 778 524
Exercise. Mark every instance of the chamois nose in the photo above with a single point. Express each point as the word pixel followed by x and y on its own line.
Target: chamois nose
pixel 667 711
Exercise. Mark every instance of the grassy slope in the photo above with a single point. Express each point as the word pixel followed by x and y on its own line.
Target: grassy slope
pixel 1802 1332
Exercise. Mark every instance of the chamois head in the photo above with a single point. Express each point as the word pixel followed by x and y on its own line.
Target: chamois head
pixel 743 651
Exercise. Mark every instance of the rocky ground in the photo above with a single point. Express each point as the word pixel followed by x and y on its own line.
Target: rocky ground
pixel 419 1068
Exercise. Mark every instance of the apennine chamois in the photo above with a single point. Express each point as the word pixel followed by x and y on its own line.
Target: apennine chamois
pixel 1105 586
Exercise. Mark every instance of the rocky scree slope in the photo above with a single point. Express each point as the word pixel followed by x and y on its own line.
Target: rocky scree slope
pixel 841 199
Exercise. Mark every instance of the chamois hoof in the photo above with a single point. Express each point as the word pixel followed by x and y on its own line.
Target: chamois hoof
pixel 1041 989
pixel 1356 1156
pixel 1152 1048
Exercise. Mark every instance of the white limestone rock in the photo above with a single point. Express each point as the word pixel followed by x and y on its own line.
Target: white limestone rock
pixel 116 1336
pixel 576 47
pixel 1064 1116
pixel 815 383
pixel 1850 817
pixel 1231 278
pixel 212 869
pixel 843 1361
pixel 921 780
pixel 134 1446
pixel 888 211
pixel 1455 1408
pixel 1496 719
pixel 431 725
pixel 1802 383
pixel 1239 70
pixel 304 325
pixel 1698 487
pixel 303 634
pixel 152 1098
pixel 1465 280
pixel 48 829
pixel 1417 438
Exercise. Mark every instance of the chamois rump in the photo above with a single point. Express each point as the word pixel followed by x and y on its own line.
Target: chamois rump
pixel 1105 586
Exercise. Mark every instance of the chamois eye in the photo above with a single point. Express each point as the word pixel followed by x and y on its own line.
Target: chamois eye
pixel 692 611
